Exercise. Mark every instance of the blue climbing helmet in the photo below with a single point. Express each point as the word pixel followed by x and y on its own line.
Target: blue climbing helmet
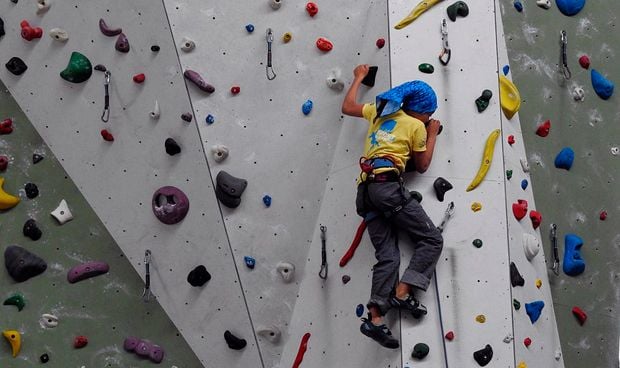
pixel 414 95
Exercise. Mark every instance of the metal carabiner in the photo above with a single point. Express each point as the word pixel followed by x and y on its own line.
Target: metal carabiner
pixel 554 248
pixel 106 107
pixel 146 293
pixel 323 271
pixel 444 56
pixel 563 59
pixel 271 75
pixel 449 212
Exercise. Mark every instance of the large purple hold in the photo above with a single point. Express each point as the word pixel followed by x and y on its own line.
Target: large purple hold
pixel 143 348
pixel 110 32
pixel 195 78
pixel 156 355
pixel 130 343
pixel 122 43
pixel 170 205
pixel 87 270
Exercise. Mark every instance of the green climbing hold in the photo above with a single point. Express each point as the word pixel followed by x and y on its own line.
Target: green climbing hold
pixel 426 68
pixel 516 304
pixel 16 300
pixel 420 351
pixel 477 243
pixel 508 174
pixel 482 102
pixel 78 70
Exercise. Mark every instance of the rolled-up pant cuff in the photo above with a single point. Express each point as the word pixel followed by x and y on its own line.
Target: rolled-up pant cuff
pixel 415 279
pixel 381 304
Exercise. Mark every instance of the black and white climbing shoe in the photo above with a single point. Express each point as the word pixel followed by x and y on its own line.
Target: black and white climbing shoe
pixel 411 304
pixel 380 334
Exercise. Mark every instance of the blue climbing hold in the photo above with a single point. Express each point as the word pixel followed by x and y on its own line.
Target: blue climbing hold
pixel 564 159
pixel 573 263
pixel 506 69
pixel 210 119
pixel 518 6
pixel 307 107
pixel 570 7
pixel 534 309
pixel 267 200
pixel 603 87
pixel 524 184
pixel 359 310
pixel 249 261
pixel 249 28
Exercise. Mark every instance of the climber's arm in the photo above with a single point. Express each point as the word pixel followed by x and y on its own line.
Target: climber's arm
pixel 349 105
pixel 423 159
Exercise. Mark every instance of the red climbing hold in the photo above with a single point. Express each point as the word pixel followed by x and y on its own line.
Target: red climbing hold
pixel 380 43
pixel 603 215
pixel 30 33
pixel 584 61
pixel 302 350
pixel 6 126
pixel 536 218
pixel 4 162
pixel 139 78
pixel 324 44
pixel 543 129
pixel 519 209
pixel 580 315
pixel 356 242
pixel 449 336
pixel 312 8
pixel 235 90
pixel 511 139
pixel 80 341
pixel 527 342
pixel 107 136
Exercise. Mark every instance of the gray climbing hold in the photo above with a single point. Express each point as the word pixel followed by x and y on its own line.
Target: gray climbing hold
pixel 48 321
pixel 229 189
pixel 187 44
pixel 31 230
pixel 21 264
pixel 272 333
pixel 87 270
pixel 122 43
pixel 286 271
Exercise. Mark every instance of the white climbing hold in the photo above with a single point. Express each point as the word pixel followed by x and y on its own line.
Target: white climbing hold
pixel 579 94
pixel 43 6
pixel 155 113
pixel 48 321
pixel 271 333
pixel 508 339
pixel 615 150
pixel 525 165
pixel 220 152
pixel 531 246
pixel 286 270
pixel 59 34
pixel 187 44
pixel 275 4
pixel 62 213
pixel 545 4
pixel 558 354
pixel 334 82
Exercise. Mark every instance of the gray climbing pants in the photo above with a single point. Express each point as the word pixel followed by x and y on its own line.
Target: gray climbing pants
pixel 376 203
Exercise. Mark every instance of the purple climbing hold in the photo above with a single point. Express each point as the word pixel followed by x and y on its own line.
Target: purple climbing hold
pixel 143 348
pixel 534 309
pixel 130 343
pixel 170 205
pixel 156 355
pixel 87 270
pixel 195 78
pixel 21 264
pixel 110 32
pixel 346 279
pixel 16 66
pixel 122 43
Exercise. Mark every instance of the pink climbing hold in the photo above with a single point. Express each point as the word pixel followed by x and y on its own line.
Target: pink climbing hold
pixel 527 342
pixel 536 218
pixel 312 8
pixel 4 162
pixel 139 78
pixel 584 61
pixel 511 139
pixel 302 350
pixel 235 90
pixel 449 336
pixel 603 215
pixel 543 129
pixel 580 315
pixel 324 44
pixel 380 43
pixel 107 136
pixel 6 126
pixel 519 209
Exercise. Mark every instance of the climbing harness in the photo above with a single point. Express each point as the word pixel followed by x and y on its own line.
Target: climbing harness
pixel 563 60
pixel 323 271
pixel 444 56
pixel 554 247
pixel 146 294
pixel 106 108
pixel 446 216
pixel 271 75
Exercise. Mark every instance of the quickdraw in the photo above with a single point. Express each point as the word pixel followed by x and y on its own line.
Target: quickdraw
pixel 323 271
pixel 563 61
pixel 554 248
pixel 446 216
pixel 146 294
pixel 271 75
pixel 106 107
pixel 446 53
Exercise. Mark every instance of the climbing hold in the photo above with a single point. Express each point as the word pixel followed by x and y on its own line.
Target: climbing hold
pixel 516 304
pixel 275 4
pixel 267 200
pixel 521 365
pixel 16 300
pixel 187 117
pixel 155 48
pixel 100 68
pixel 58 34
pixel 449 335
pixel 417 196
pixel 198 276
pixel 44 358
pixel 16 66
pixel 110 32
pixel 286 271
pixel 538 283
pixel 584 61
pixel 62 214
pixel 487 158
pixel 31 190
pixel 515 277
pixel 15 339
pixel 80 341
pixel 155 113
pixel 525 166
pixel 380 43
pixel 509 97
pixel 477 243
pixel 249 28
pixel 324 44
pixel 426 68
pixel 87 270
pixel 107 136
pixel 307 107
pixel 519 209
pixel 156 353
pixel 536 218
pixel 312 9
pixel 31 230
pixel 543 129
pixel 578 313
pixel 506 69
pixel 416 12
pixel 220 152
pixel 271 333
pixel 564 159
pixel 602 216
pixel 476 206
pixel 235 90
pixel 139 78
pixel 481 318
pixel 250 262
pixel 570 7
pixel 420 351
pixel 36 158
pixel 614 150
pixel 4 162
pixel 6 126
pixel 545 4
pixel 2 33
pixel 524 184
pixel 346 279
pixel 287 37
pixel 172 147
pixel 511 139
pixel 122 43
pixel 531 246
pixel 30 33
pixel 579 94
pixel 508 174
pixel 441 186
pixel 233 341
pixel 527 342
pixel 482 102
pixel 131 343
pixel 78 70
pixel 508 338
pixel 210 119
pixel 187 44
pixel 195 78
pixel 458 8
pixel 170 205
pixel 7 201
pixel 229 189
pixel 334 81
pixel 603 87
pixel 483 356
pixel 534 309
pixel 517 4
pixel 48 321
pixel 369 79
pixel 303 346
pixel 359 310
pixel 573 263
pixel 143 348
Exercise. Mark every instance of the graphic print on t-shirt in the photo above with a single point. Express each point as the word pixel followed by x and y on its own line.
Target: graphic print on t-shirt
pixel 383 134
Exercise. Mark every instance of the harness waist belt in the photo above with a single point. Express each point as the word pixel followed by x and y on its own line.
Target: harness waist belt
pixel 379 163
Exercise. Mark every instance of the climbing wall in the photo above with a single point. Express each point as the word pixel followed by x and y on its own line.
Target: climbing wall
pixel 575 199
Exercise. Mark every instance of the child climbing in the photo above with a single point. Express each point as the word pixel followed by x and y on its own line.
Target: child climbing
pixel 401 129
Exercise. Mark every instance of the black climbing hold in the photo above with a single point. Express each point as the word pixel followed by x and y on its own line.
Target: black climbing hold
pixel 229 189
pixel 482 102
pixel 516 304
pixel 2 28
pixel 100 68
pixel 44 358
pixel 172 147
pixel 198 276
pixel 458 8
pixel 186 116
pixel 36 158
pixel 21 264
pixel 484 356
pixel 14 1
pixel 420 351
pixel 416 195
pixel 16 66
pixel 31 230
pixel 515 277
pixel 477 243
pixel 155 48
pixel 31 190
pixel 233 341
pixel 369 80
pixel 441 186
pixel 346 279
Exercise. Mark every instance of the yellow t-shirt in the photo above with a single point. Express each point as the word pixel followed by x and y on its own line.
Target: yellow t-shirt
pixel 396 135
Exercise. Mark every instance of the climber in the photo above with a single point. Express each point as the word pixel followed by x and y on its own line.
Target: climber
pixel 401 129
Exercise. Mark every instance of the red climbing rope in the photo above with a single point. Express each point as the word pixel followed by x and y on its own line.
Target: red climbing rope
pixel 302 350
pixel 356 242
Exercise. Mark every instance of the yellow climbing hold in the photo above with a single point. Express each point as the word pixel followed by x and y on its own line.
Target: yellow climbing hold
pixel 538 283
pixel 509 97
pixel 287 37
pixel 416 12
pixel 522 365
pixel 481 318
pixel 487 158
pixel 476 206
pixel 15 339
pixel 6 200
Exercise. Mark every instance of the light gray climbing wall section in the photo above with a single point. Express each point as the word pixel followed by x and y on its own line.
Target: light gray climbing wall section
pixel 118 179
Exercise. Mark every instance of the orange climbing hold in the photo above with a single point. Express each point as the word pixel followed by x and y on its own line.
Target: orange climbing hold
pixel 302 350
pixel 356 242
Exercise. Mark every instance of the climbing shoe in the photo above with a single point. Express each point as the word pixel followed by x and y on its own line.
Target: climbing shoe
pixel 411 304
pixel 380 334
